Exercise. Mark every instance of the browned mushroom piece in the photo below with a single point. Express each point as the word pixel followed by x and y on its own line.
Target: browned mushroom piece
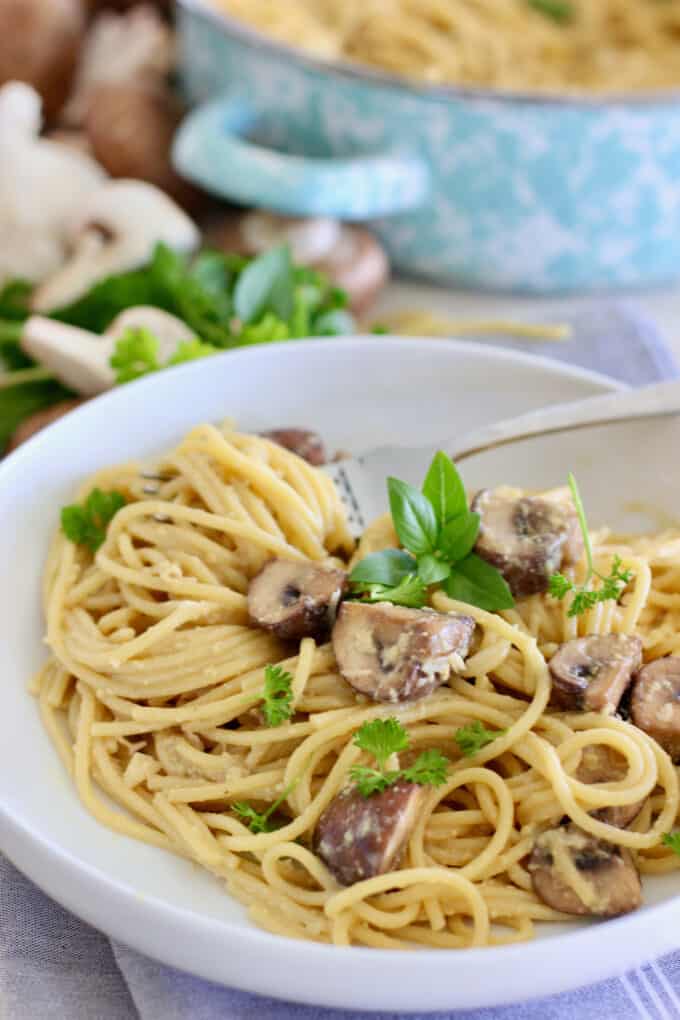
pixel 303 442
pixel 40 420
pixel 527 539
pixel 576 873
pixel 655 704
pixel 602 764
pixel 40 42
pixel 590 674
pixel 360 837
pixel 395 654
pixel 294 599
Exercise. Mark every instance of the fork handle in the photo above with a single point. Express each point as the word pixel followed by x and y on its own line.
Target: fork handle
pixel 649 401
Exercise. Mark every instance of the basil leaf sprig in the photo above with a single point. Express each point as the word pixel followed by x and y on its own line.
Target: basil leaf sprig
pixel 611 585
pixel 438 533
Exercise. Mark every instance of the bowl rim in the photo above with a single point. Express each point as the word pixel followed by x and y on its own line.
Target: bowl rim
pixel 347 69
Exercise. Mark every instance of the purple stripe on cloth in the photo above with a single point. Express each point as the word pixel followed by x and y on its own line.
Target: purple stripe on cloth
pixel 54 967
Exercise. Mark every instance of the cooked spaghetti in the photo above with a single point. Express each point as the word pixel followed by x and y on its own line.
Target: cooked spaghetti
pixel 153 697
pixel 544 46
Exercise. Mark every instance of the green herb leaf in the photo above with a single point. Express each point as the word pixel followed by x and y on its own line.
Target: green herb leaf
pixel 277 695
pixel 444 489
pixel 672 840
pixel 191 350
pixel 458 536
pixel 135 354
pixel 263 821
pixel 14 300
pixel 370 781
pixel 475 581
pixel 87 524
pixel 410 592
pixel 266 284
pixel 474 737
pixel 389 567
pixel 413 517
pixel 611 585
pixel 382 738
pixel 431 569
pixel 561 11
pixel 19 402
pixel 337 322
pixel 429 769
pixel 269 329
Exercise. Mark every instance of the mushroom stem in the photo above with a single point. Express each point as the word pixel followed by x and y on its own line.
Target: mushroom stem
pixel 24 375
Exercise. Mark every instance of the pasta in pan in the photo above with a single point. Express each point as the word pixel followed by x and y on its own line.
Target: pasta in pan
pixel 153 697
pixel 542 45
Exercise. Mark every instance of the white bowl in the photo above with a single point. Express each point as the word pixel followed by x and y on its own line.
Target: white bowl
pixel 358 393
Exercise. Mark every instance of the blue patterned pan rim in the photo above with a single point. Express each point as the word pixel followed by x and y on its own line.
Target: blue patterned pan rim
pixel 438 93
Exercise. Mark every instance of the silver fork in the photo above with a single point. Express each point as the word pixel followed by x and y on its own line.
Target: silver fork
pixel 361 481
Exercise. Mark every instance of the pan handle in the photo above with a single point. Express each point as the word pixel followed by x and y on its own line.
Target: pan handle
pixel 212 149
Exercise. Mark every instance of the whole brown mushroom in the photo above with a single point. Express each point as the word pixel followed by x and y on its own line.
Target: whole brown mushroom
pixel 40 43
pixel 130 127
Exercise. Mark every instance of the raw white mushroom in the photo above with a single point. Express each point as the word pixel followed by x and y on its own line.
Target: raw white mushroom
pixel 116 229
pixel 81 359
pixel 42 186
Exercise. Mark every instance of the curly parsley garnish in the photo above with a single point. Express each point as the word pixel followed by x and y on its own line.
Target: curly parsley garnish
pixel 382 738
pixel 263 821
pixel 438 533
pixel 585 596
pixel 561 11
pixel 672 840
pixel 277 695
pixel 86 525
pixel 474 737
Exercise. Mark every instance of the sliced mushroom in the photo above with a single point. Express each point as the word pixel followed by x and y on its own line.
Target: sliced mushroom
pixel 38 421
pixel 303 442
pixel 395 654
pixel 361 837
pixel 655 704
pixel 590 674
pixel 602 764
pixel 576 873
pixel 295 599
pixel 526 538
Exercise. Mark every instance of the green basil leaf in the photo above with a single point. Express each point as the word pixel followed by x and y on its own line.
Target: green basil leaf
pixel 476 582
pixel 266 284
pixel 14 299
pixel 388 567
pixel 458 537
pixel 413 517
pixel 432 570
pixel 337 322
pixel 444 489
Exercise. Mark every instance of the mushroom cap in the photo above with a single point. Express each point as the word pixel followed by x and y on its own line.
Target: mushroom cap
pixel 169 330
pixel 391 653
pixel 295 598
pixel 302 442
pixel 600 763
pixel 655 703
pixel 592 673
pixel 79 359
pixel 576 873
pixel 360 837
pixel 527 538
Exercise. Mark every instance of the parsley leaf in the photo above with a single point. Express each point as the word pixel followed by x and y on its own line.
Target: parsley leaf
pixel 262 821
pixel 410 592
pixel 382 738
pixel 429 769
pixel 585 597
pixel 438 533
pixel 191 350
pixel 672 840
pixel 561 11
pixel 86 525
pixel 277 695
pixel 135 355
pixel 474 737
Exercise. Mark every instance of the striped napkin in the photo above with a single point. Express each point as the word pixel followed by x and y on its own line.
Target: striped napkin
pixel 54 967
